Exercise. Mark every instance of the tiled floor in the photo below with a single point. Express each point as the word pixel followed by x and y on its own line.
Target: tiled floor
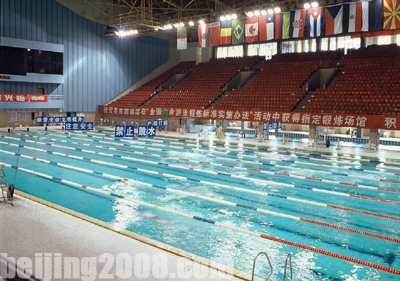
pixel 29 228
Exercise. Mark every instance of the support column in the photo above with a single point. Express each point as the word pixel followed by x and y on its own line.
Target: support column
pixel 373 137
pixel 311 133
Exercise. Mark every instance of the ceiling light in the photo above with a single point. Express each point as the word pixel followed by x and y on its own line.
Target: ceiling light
pixel 191 23
pixel 263 12
pixel 176 25
pixel 228 17
pixel 222 18
pixel 277 10
pixel 181 24
pixel 234 16
pixel 314 4
pixel 135 32
pixel 155 29
pixel 257 13
pixel 201 21
pixel 250 14
pixel 270 11
pixel 307 5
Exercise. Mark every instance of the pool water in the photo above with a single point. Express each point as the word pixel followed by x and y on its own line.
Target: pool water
pixel 216 200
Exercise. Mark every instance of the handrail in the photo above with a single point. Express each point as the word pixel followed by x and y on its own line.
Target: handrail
pixel 288 257
pixel 254 265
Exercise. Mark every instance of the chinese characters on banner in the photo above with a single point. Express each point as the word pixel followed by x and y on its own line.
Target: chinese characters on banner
pixel 272 125
pixel 121 131
pixel 299 118
pixel 147 131
pixel 78 126
pixel 59 119
pixel 22 98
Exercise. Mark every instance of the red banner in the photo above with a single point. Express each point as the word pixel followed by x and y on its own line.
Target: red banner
pixel 22 98
pixel 299 118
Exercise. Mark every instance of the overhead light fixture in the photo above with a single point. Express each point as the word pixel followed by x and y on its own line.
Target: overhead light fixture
pixel 314 4
pixel 307 6
pixel 156 29
pixel 277 10
pixel 228 17
pixel 263 12
pixel 234 16
pixel 222 18
pixel 135 32
pixel 250 14
pixel 181 24
pixel 191 23
pixel 201 21
pixel 176 25
pixel 270 11
pixel 257 13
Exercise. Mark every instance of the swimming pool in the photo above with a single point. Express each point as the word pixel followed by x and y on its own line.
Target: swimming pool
pixel 225 203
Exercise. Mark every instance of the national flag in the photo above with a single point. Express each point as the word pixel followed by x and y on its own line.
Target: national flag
pixel 282 23
pixel 203 35
pixel 251 32
pixel 182 38
pixel 226 32
pixel 352 17
pixel 374 15
pixel 266 27
pixel 334 20
pixel 214 33
pixel 297 23
pixel 237 31
pixel 391 14
pixel 314 17
pixel 270 27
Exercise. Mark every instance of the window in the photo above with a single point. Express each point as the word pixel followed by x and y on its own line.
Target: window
pixel 15 116
pixel 230 52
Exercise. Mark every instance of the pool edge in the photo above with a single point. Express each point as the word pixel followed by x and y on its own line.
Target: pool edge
pixel 143 239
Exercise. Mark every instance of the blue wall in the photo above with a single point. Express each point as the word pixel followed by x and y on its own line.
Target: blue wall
pixel 95 69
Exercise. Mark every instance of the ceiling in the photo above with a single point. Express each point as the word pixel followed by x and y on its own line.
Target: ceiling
pixel 146 15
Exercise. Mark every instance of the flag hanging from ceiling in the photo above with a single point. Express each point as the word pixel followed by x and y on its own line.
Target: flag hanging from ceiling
pixel 314 17
pixel 334 20
pixel 297 23
pixel 202 32
pixel 182 38
pixel 266 27
pixel 270 27
pixel 214 33
pixel 251 32
pixel 391 14
pixel 352 17
pixel 226 32
pixel 282 23
pixel 375 9
pixel 237 31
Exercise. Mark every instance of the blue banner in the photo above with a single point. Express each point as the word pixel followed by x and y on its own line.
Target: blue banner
pixel 78 126
pixel 129 131
pixel 272 125
pixel 59 119
pixel 119 131
pixel 142 131
pixel 151 131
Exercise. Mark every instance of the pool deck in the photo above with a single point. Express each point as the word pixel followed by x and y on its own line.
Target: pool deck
pixel 34 226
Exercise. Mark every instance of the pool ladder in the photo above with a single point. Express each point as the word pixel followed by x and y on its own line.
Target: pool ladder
pixel 288 262
pixel 6 191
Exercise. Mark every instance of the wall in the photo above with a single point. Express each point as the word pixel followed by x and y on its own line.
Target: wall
pixel 190 53
pixel 95 69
